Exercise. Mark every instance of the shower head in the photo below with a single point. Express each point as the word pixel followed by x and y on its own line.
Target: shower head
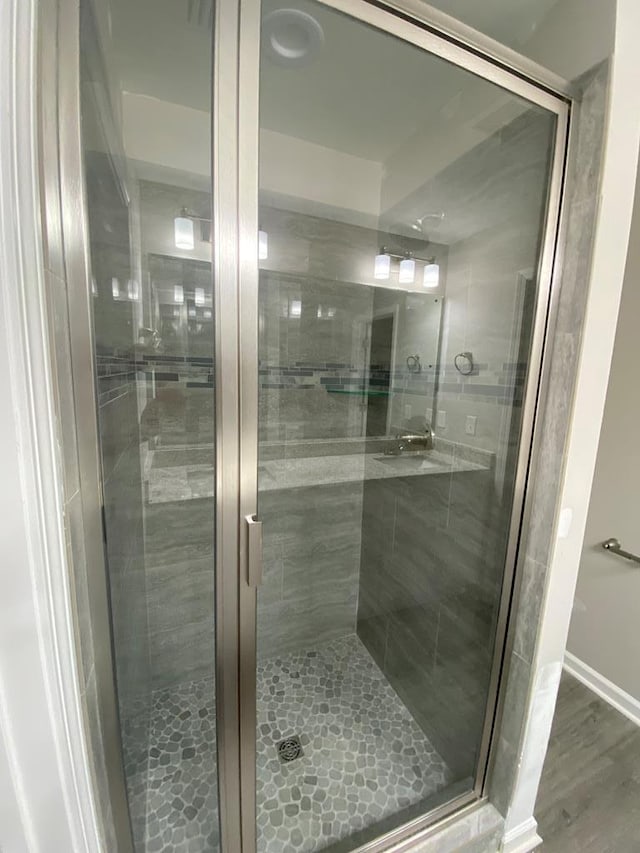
pixel 427 220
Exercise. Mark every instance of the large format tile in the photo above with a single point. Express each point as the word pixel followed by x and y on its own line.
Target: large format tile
pixel 185 652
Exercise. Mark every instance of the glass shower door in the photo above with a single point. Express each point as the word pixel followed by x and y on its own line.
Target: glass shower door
pixel 403 278
pixel 145 105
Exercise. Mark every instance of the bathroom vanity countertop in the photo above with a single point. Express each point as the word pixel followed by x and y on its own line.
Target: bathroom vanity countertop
pixel 188 482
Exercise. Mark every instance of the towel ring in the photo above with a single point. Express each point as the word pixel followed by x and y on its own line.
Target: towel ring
pixel 463 363
pixel 413 364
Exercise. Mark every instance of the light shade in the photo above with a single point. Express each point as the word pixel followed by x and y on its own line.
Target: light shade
pixel 431 276
pixel 133 290
pixel 178 294
pixel 199 296
pixel 263 245
pixel 183 231
pixel 382 267
pixel 115 288
pixel 407 271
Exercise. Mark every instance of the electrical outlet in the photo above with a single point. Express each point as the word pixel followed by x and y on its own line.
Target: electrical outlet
pixel 442 419
pixel 407 411
pixel 470 425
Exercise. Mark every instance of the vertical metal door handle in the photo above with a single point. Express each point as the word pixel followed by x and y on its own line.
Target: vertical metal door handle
pixel 254 550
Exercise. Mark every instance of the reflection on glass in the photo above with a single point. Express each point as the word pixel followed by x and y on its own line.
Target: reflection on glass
pixel 386 475
pixel 153 331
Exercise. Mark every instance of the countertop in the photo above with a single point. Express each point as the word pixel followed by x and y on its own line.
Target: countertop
pixel 189 482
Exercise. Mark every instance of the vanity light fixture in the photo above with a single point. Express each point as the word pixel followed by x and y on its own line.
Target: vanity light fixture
pixel 407 267
pixel 183 231
pixel 178 294
pixel 431 275
pixel 407 271
pixel 115 288
pixel 133 290
pixel 198 296
pixel 382 266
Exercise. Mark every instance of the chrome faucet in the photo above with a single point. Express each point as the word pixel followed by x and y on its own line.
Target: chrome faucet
pixel 413 441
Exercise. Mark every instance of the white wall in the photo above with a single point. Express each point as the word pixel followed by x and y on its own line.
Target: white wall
pixel 605 627
pixel 574 36
pixel 154 137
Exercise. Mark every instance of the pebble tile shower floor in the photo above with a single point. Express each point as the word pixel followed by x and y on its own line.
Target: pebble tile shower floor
pixel 363 755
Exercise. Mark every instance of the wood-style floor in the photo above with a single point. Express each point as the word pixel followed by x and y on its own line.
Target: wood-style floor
pixel 589 797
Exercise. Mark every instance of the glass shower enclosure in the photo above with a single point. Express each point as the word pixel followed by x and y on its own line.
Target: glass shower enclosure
pixel 321 238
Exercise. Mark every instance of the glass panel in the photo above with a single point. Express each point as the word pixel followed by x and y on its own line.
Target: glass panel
pixel 146 82
pixel 402 201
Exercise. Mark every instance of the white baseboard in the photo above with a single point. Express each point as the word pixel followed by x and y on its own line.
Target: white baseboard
pixel 607 690
pixel 522 839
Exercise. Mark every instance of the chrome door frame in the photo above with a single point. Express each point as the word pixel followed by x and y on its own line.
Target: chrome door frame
pixel 444 37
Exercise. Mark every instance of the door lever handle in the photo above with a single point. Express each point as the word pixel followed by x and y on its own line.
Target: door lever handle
pixel 254 550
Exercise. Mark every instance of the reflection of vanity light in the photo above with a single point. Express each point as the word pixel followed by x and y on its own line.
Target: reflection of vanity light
pixel 178 294
pixel 133 290
pixel 263 245
pixel 382 266
pixel 183 232
pixel 407 271
pixel 295 308
pixel 431 276
pixel 199 296
pixel 192 312
pixel 206 314
pixel 94 286
pixel 115 288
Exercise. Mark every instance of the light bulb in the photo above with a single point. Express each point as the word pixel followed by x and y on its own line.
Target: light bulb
pixel 407 271
pixel 178 294
pixel 431 277
pixel 115 288
pixel 199 296
pixel 382 266
pixel 183 230
pixel 263 245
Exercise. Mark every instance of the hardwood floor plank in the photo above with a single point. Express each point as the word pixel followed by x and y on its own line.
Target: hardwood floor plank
pixel 589 797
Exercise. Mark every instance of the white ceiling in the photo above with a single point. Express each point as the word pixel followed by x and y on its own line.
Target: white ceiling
pixel 512 22
pixel 376 90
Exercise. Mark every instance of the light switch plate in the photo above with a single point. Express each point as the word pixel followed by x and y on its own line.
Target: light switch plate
pixel 442 419
pixel 470 425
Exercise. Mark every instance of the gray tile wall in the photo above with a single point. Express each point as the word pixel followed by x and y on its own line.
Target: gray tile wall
pixel 531 688
pixel 434 547
pixel 309 592
pixel 482 310
pixel 429 578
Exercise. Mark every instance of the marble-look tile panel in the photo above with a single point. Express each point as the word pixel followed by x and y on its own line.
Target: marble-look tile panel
pixel 184 651
pixel 179 594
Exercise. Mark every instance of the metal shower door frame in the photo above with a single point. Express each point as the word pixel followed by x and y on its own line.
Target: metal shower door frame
pixel 235 187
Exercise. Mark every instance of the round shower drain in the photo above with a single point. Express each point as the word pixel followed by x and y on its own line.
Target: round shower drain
pixel 290 748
